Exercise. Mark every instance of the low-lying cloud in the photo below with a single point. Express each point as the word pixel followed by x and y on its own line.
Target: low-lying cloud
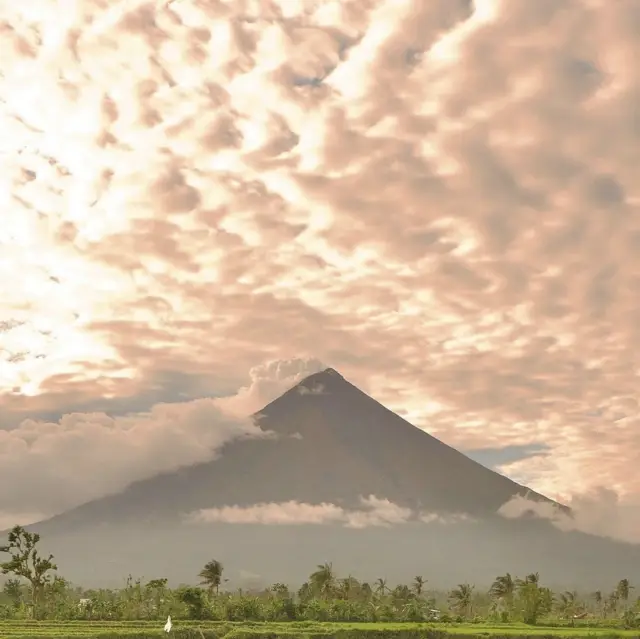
pixel 374 512
pixel 56 465
pixel 599 512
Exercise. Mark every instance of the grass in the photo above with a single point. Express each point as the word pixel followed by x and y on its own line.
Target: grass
pixel 272 630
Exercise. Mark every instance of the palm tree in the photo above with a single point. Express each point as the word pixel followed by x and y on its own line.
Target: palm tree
pixel 611 604
pixel 211 575
pixel 567 603
pixel 305 592
pixel 531 579
pixel 623 590
pixel 366 591
pixel 402 593
pixel 503 587
pixel 502 592
pixel 418 585
pixel 462 599
pixel 545 600
pixel 346 587
pixel 597 597
pixel 381 586
pixel 323 579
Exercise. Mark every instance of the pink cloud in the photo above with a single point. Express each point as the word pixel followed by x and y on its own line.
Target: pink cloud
pixel 464 247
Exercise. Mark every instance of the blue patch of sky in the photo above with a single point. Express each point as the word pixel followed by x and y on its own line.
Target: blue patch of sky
pixel 493 458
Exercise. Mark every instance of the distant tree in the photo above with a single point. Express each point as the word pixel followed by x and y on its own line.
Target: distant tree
pixel 418 585
pixel 157 588
pixel 211 575
pixel 533 578
pixel 193 599
pixel 611 603
pixel 366 591
pixel 623 590
pixel 381 586
pixel 599 601
pixel 535 600
pixel 26 562
pixel 280 590
pixel 305 592
pixel 502 594
pixel 13 590
pixel 567 603
pixel 461 599
pixel 346 587
pixel 323 579
pixel 503 588
pixel 401 594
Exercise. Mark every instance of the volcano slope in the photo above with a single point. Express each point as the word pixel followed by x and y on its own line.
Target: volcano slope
pixel 343 479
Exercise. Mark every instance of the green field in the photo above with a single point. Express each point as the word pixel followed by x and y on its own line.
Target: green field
pixel 293 630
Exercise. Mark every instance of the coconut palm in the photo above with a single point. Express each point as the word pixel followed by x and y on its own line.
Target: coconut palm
pixel 597 597
pixel 323 579
pixel 418 585
pixel 461 599
pixel 611 603
pixel 503 588
pixel 381 586
pixel 531 579
pixel 402 593
pixel 567 603
pixel 346 587
pixel 623 591
pixel 211 575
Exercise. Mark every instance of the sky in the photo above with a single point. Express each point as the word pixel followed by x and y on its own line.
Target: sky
pixel 203 202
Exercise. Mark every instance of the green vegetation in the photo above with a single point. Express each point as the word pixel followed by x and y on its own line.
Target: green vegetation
pixel 291 630
pixel 36 603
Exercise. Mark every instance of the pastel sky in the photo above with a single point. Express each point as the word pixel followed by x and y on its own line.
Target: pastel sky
pixel 204 201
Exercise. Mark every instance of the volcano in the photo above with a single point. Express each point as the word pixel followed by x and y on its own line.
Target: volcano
pixel 335 451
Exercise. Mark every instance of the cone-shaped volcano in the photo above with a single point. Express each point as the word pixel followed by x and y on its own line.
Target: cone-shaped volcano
pixel 332 446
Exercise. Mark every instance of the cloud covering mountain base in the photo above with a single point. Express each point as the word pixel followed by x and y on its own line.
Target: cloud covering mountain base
pixel 55 466
pixel 601 512
pixel 374 512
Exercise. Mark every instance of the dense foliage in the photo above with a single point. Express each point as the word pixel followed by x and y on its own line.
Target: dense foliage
pixel 290 630
pixel 32 592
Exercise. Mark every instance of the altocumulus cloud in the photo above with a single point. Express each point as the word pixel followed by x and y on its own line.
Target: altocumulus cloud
pixel 465 246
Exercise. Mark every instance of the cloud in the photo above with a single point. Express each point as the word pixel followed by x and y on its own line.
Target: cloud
pixel 598 512
pixel 449 518
pixel 269 381
pixel 374 512
pixel 315 389
pixel 378 512
pixel 286 513
pixel 464 247
pixel 54 466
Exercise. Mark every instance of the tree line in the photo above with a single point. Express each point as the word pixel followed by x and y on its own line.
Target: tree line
pixel 35 591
